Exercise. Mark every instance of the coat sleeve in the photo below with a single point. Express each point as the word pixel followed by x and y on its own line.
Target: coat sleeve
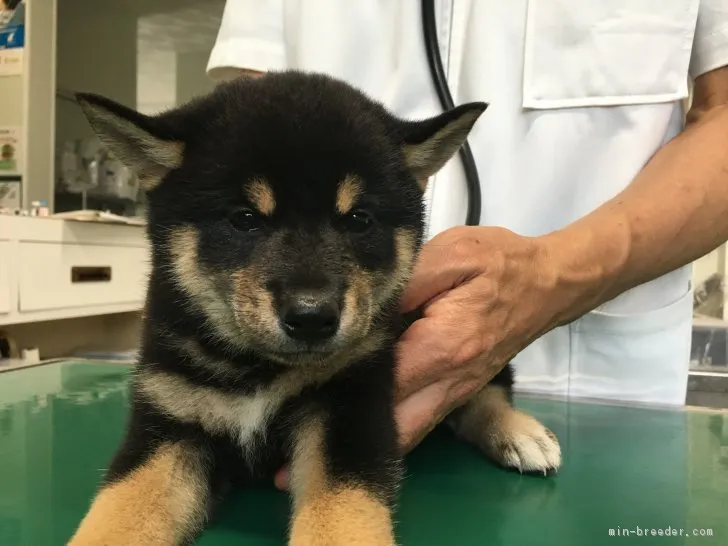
pixel 250 38
pixel 710 49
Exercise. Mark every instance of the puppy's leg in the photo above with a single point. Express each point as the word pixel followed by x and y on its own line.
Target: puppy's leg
pixel 344 474
pixel 508 436
pixel 331 509
pixel 160 498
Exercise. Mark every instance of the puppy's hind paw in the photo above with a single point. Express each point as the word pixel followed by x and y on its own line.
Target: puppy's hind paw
pixel 508 436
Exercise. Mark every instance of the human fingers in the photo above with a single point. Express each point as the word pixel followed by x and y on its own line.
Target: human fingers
pixel 440 267
pixel 442 343
pixel 419 414
pixel 422 358
pixel 282 478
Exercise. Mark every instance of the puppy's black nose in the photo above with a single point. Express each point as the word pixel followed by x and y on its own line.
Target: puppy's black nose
pixel 310 320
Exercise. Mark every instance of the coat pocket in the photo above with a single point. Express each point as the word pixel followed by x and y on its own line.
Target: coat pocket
pixel 582 53
pixel 641 357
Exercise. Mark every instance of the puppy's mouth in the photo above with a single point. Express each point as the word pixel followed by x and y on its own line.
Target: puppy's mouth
pixel 303 352
pixel 310 356
pixel 294 357
pixel 283 350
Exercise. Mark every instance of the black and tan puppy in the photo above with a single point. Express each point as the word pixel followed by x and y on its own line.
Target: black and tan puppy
pixel 285 214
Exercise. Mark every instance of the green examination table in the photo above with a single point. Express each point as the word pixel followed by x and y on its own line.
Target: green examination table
pixel 627 473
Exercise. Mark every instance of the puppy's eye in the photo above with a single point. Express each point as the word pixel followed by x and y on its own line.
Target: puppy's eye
pixel 357 221
pixel 246 220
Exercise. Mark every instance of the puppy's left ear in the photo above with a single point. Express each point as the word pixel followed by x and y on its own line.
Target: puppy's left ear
pixel 430 143
pixel 142 143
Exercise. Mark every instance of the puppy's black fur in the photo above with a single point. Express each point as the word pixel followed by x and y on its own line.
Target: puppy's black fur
pixel 285 214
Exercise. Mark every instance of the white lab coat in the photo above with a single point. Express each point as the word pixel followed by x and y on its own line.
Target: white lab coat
pixel 582 94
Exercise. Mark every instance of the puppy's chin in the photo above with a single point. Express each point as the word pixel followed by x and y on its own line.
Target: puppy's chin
pixel 297 355
pixel 302 359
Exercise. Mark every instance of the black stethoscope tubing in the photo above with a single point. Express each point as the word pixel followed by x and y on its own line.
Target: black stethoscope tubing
pixel 472 180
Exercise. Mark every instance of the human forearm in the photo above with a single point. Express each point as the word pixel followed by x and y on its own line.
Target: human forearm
pixel 675 211
pixel 238 73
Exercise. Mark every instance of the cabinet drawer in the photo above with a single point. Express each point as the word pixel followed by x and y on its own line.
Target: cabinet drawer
pixel 55 276
pixel 6 278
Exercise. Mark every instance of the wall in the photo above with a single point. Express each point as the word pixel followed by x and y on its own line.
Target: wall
pixel 97 54
pixel 11 91
pixel 156 85
pixel 39 110
pixel 27 99
pixel 192 80
pixel 708 265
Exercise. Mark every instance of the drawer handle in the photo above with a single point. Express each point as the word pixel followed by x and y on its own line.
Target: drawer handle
pixel 83 274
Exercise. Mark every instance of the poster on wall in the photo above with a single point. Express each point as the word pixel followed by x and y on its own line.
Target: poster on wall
pixel 10 175
pixel 12 37
pixel 11 12
pixel 9 150
pixel 11 192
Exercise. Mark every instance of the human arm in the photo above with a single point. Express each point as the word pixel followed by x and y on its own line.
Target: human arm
pixel 496 291
pixel 250 40
pixel 238 72
pixel 673 212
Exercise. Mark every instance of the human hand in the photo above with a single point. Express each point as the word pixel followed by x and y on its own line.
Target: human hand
pixel 486 293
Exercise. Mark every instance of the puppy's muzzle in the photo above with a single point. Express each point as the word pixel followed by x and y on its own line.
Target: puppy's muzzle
pixel 310 317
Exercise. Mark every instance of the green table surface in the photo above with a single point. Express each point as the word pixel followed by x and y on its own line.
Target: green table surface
pixel 632 469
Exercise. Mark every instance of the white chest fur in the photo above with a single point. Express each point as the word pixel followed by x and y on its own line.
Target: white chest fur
pixel 239 416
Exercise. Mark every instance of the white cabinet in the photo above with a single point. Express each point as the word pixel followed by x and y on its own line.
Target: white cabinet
pixel 54 269
pixel 82 275
pixel 6 277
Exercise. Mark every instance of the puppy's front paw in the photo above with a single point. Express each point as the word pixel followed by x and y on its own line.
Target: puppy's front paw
pixel 519 441
pixel 349 517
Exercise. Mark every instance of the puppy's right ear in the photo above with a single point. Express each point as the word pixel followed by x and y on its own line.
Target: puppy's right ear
pixel 140 142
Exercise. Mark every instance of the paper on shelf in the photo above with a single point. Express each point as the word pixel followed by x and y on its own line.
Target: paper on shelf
pixel 99 216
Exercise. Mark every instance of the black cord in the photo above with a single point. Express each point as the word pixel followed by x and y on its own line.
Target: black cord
pixel 429 28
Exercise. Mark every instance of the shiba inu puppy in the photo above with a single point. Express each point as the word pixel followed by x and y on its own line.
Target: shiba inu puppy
pixel 285 215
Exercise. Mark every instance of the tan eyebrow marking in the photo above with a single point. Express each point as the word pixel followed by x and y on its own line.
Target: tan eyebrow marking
pixel 261 195
pixel 349 189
